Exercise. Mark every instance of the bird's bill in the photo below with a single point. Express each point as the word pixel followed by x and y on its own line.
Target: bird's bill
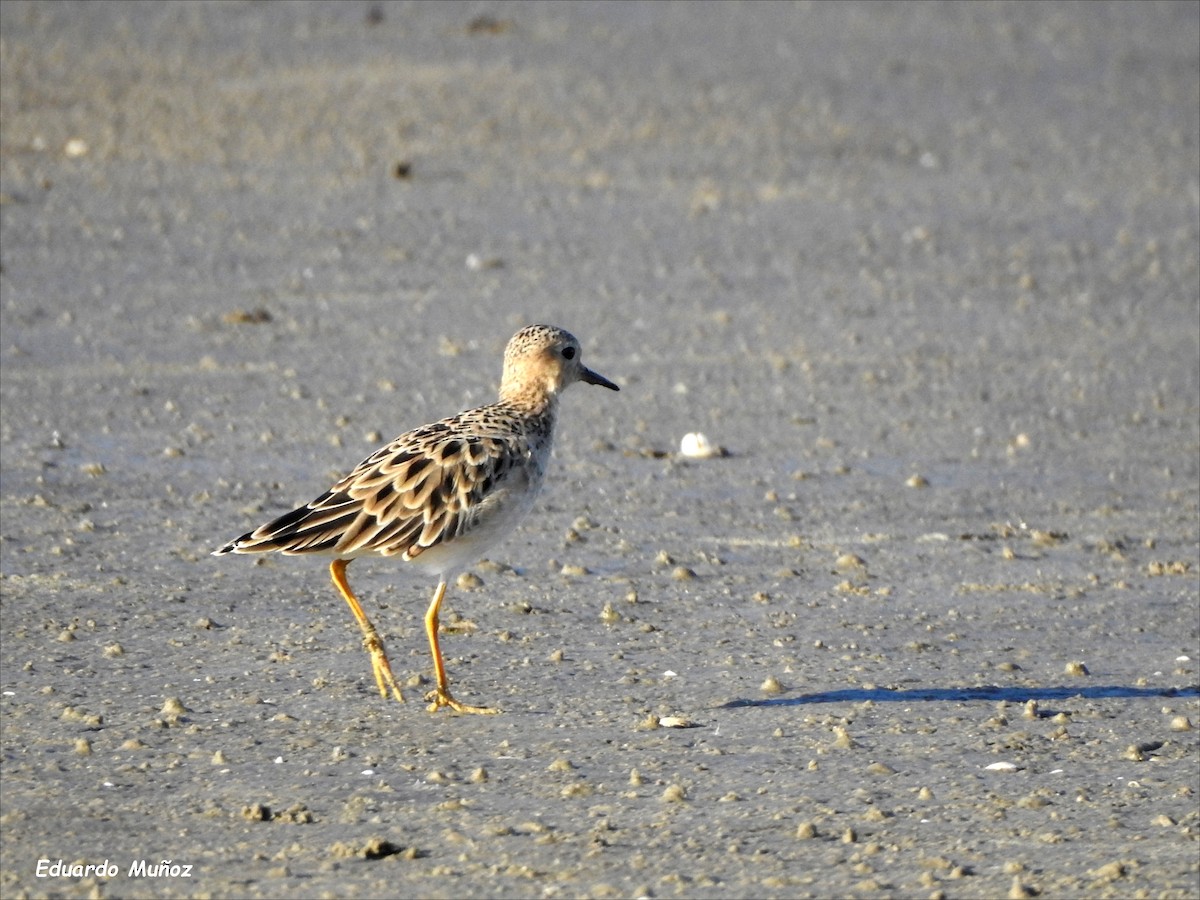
pixel 595 378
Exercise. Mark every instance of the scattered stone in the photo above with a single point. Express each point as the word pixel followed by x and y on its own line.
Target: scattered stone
pixel 258 812
pixel 771 685
pixel 373 848
pixel 849 561
pixel 1173 567
pixel 1019 891
pixel 256 316
pixel 674 793
pixel 297 814
pixel 1110 871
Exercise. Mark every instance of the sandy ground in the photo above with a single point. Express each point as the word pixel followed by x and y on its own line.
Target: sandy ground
pixel 930 274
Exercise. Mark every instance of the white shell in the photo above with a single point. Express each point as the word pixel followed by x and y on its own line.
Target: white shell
pixel 697 445
pixel 1001 767
pixel 676 722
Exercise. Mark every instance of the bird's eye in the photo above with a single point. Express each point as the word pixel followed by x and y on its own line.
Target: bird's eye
pixel 568 352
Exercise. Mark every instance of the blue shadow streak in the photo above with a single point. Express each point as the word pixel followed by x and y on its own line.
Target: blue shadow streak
pixel 985 692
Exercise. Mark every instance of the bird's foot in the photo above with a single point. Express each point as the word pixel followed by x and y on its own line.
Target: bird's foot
pixel 440 698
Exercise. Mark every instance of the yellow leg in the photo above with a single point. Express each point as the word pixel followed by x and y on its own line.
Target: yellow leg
pixel 371 640
pixel 441 696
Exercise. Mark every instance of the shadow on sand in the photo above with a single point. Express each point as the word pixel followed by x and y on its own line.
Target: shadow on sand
pixel 985 692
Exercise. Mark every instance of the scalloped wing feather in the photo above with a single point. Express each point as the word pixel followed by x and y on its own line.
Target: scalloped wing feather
pixel 425 487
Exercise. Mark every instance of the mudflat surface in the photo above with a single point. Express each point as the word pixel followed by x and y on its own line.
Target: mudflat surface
pixel 928 273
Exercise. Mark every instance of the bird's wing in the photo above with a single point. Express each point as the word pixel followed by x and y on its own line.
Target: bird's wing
pixel 426 486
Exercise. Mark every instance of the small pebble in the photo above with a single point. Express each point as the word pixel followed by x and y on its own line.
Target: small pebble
pixel 771 685
pixel 674 794
pixel 257 813
pixel 843 741
pixel 849 561
pixel 173 708
pixel 1018 891
pixel 477 263
pixel 1110 871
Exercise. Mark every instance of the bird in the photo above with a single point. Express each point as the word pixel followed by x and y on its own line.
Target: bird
pixel 440 495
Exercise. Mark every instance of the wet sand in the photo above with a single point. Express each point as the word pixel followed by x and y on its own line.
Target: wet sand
pixel 929 274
